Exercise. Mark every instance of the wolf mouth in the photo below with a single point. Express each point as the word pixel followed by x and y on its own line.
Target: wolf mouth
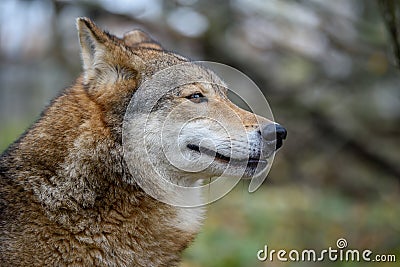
pixel 252 162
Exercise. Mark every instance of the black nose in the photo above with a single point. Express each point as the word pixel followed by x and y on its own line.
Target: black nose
pixel 272 132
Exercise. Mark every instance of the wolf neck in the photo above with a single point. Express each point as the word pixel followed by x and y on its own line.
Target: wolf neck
pixel 163 188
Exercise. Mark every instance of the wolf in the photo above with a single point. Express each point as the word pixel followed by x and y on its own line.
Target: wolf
pixel 71 192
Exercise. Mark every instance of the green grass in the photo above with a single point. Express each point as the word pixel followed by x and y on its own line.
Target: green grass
pixel 293 218
pixel 11 132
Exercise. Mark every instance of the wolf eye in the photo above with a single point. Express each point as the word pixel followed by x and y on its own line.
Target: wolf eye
pixel 197 97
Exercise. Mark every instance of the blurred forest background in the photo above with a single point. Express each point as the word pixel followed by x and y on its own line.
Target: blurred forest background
pixel 328 72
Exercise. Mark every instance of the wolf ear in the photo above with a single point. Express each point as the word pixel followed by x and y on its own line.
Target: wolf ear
pixel 94 45
pixel 138 38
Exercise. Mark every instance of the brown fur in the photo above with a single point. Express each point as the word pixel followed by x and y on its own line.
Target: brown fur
pixel 62 196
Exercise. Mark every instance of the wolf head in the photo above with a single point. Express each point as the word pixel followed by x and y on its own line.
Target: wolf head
pixel 172 116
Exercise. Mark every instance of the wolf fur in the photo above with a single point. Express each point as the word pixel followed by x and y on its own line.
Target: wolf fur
pixel 67 197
